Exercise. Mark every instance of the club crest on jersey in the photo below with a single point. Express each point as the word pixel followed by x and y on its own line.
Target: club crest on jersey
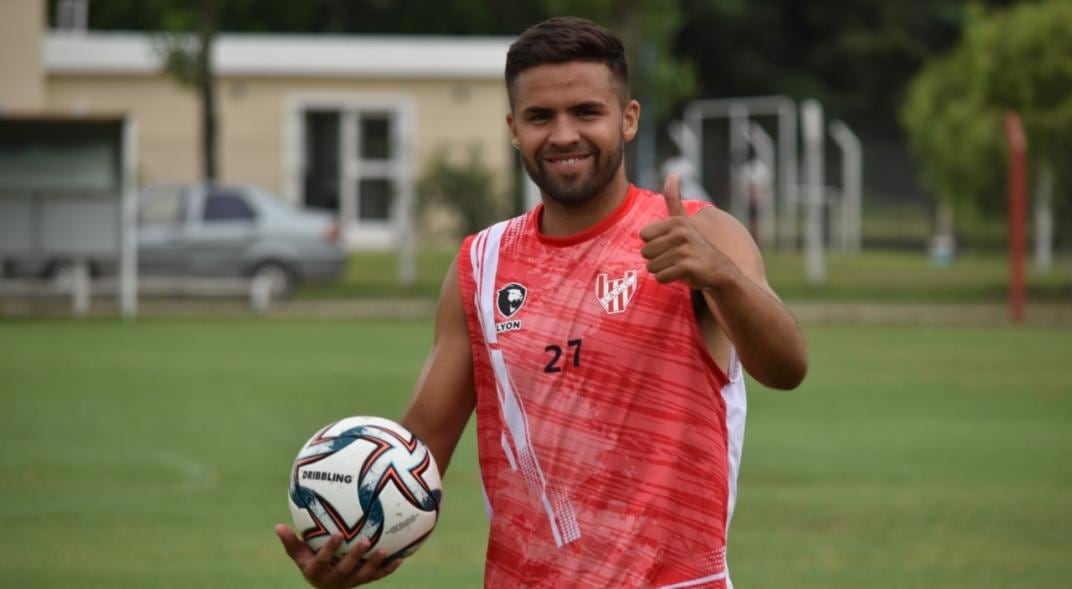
pixel 614 294
pixel 511 298
pixel 509 301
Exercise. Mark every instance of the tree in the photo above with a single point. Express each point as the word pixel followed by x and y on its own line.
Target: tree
pixel 188 58
pixel 1015 59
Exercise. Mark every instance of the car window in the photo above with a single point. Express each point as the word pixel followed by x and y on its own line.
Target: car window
pixel 163 205
pixel 227 206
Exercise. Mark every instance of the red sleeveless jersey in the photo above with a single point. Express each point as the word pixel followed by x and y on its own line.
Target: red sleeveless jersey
pixel 608 437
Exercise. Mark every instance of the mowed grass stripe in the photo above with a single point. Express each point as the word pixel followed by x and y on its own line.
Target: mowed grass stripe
pixel 155 454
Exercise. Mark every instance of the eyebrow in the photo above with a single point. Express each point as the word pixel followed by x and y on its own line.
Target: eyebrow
pixel 594 104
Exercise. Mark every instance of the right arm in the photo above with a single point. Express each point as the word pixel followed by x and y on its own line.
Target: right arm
pixel 442 402
pixel 444 397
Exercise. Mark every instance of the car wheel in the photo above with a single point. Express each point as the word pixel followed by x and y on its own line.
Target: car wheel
pixel 281 281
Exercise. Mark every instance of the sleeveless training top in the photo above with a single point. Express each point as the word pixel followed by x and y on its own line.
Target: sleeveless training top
pixel 608 437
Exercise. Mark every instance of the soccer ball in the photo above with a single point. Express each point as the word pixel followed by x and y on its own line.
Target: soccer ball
pixel 366 478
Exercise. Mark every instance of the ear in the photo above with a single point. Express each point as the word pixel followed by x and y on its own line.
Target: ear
pixel 630 120
pixel 512 127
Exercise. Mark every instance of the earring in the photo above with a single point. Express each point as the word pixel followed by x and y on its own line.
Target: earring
pixel 515 143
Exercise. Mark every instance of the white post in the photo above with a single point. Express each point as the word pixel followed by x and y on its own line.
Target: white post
pixel 407 202
pixel 787 173
pixel 1044 219
pixel 738 158
pixel 128 224
pixel 80 287
pixel 764 145
pixel 811 114
pixel 348 175
pixel 260 294
pixel 851 185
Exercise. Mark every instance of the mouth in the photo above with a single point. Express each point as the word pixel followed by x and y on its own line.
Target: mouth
pixel 567 163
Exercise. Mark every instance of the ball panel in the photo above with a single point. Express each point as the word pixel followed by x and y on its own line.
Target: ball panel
pixel 366 477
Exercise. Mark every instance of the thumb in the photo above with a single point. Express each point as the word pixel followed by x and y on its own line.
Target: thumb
pixel 672 195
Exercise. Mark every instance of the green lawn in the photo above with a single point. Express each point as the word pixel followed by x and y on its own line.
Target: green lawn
pixel 155 454
pixel 874 276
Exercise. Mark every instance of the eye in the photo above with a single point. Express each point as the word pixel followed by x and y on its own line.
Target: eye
pixel 539 117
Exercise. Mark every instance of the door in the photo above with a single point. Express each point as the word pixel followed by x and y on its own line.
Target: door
pixel 225 230
pixel 162 216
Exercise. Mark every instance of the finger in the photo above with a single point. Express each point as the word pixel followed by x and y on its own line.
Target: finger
pixel 656 228
pixel 352 558
pixel 661 263
pixel 386 570
pixel 296 549
pixel 322 562
pixel 672 273
pixel 659 246
pixel 672 195
pixel 368 571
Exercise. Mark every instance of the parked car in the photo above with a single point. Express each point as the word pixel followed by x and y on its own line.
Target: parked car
pixel 216 230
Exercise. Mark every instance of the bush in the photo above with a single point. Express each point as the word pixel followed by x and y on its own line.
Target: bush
pixel 466 188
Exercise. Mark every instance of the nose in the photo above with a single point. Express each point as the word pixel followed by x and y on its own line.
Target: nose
pixel 563 132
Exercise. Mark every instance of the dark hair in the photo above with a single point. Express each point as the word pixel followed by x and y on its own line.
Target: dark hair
pixel 565 39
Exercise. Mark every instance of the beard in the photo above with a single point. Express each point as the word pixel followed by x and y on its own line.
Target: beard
pixel 576 190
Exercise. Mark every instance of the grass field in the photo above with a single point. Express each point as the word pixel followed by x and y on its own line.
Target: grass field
pixel 875 276
pixel 155 454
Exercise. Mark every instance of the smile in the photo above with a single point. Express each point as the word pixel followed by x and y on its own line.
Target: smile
pixel 566 162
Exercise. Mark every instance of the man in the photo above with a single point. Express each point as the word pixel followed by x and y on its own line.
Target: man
pixel 600 339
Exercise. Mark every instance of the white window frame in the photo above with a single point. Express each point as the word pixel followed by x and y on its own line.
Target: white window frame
pixel 354 233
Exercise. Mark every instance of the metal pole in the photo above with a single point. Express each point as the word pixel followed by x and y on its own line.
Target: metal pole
pixel 647 176
pixel 811 115
pixel 80 287
pixel 128 224
pixel 1014 134
pixel 1044 219
pixel 407 204
pixel 738 158
pixel 764 146
pixel 851 185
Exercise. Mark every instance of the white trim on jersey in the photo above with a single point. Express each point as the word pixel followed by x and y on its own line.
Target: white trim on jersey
pixel 484 256
pixel 695 582
pixel 733 394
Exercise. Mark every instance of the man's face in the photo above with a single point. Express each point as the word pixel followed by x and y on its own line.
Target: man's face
pixel 570 127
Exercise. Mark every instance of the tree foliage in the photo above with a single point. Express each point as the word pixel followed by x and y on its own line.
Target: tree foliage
pixel 465 185
pixel 1017 59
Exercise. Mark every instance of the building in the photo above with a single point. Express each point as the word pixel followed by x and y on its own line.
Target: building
pixel 340 122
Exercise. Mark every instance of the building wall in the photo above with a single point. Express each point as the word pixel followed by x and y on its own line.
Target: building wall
pixel 22 81
pixel 253 119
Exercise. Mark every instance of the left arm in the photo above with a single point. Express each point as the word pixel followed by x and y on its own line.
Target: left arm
pixel 714 254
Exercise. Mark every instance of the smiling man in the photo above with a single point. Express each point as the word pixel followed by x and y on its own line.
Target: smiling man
pixel 600 339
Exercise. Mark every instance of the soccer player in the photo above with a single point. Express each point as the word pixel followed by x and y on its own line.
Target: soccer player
pixel 600 340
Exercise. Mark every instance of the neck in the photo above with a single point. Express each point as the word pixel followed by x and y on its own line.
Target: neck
pixel 560 220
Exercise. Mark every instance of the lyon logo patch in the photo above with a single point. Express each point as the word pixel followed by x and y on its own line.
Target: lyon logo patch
pixel 614 294
pixel 510 299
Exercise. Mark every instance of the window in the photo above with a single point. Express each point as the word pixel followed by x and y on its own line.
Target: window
pixel 376 195
pixel 375 137
pixel 165 205
pixel 227 206
pixel 375 167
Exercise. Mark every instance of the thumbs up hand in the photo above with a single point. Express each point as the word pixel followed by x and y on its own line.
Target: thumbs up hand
pixel 677 250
